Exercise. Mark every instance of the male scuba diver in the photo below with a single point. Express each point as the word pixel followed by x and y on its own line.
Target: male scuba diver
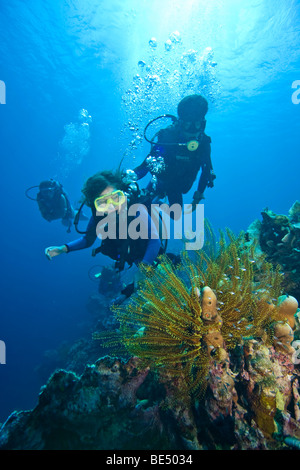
pixel 53 202
pixel 109 199
pixel 178 152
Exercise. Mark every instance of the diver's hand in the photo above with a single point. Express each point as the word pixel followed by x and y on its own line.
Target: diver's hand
pixel 52 251
pixel 196 199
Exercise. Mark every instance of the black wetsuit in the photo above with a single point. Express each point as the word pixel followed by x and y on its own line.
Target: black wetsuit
pixel 130 250
pixel 53 203
pixel 181 164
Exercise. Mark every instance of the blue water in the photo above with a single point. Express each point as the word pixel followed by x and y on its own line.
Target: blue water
pixel 58 58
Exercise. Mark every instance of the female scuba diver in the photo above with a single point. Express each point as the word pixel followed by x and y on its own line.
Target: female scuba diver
pixel 110 199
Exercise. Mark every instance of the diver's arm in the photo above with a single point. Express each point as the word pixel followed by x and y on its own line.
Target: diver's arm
pixel 86 240
pixel 156 150
pixel 207 175
pixel 141 170
pixel 79 244
pixel 203 180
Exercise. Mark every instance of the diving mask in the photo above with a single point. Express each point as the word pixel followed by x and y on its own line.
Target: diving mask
pixel 116 198
pixel 193 126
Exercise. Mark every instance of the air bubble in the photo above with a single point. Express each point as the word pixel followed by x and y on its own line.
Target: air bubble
pixel 154 78
pixel 168 45
pixel 175 37
pixel 84 116
pixel 153 43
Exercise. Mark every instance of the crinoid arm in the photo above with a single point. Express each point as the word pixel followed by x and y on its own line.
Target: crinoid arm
pixel 165 322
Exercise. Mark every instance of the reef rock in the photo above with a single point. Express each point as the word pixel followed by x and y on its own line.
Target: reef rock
pixel 278 236
pixel 112 405
pixel 251 402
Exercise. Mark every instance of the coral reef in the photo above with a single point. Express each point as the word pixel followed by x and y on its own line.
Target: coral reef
pixel 190 312
pixel 278 236
pixel 211 364
pixel 112 405
pixel 221 324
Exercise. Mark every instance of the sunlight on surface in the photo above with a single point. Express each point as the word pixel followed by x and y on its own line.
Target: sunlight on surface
pixel 252 39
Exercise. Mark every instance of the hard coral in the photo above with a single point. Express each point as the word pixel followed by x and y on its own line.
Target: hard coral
pixel 278 236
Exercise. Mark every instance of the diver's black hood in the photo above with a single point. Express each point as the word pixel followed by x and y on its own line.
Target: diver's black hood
pixel 192 108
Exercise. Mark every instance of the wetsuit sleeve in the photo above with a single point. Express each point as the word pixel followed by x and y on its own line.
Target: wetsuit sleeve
pixel 206 167
pixel 87 240
pixel 141 170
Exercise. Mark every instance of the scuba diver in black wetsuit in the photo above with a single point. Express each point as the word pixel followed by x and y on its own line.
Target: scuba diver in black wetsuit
pixel 178 152
pixel 53 202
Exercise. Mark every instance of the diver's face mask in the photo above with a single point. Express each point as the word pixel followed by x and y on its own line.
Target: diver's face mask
pixel 193 127
pixel 110 202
